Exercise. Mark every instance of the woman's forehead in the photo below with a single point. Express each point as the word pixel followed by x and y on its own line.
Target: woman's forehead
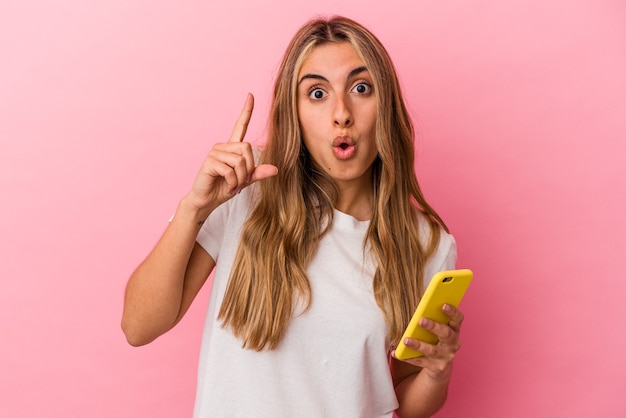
pixel 330 59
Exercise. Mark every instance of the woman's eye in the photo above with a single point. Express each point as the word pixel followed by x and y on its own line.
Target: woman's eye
pixel 317 94
pixel 362 88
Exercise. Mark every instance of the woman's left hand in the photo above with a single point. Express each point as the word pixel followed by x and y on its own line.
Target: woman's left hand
pixel 438 358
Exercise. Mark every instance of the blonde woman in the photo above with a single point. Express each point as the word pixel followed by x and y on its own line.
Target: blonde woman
pixel 321 248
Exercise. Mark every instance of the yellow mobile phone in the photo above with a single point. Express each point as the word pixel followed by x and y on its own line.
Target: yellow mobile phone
pixel 445 287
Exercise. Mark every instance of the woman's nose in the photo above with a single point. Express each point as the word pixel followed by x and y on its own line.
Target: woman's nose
pixel 342 116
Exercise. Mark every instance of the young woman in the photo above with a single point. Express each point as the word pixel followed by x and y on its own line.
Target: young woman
pixel 321 245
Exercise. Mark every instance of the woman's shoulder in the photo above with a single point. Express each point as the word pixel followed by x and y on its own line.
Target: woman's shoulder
pixel 445 253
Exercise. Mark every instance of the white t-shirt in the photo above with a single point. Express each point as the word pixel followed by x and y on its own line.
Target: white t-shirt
pixel 333 358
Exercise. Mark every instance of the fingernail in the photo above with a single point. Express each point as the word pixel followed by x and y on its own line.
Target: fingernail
pixel 424 322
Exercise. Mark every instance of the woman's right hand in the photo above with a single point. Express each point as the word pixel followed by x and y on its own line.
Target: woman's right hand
pixel 228 168
pixel 161 289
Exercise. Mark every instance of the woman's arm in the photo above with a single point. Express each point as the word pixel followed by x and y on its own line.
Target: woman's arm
pixel 421 383
pixel 161 289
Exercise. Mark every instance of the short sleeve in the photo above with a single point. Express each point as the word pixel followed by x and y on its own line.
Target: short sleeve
pixel 223 227
pixel 211 235
pixel 444 257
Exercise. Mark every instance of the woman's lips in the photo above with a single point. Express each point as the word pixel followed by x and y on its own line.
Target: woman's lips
pixel 343 147
pixel 344 151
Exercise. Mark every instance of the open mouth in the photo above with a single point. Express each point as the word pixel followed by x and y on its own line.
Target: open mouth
pixel 344 149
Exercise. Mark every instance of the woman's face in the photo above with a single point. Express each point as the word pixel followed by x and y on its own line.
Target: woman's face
pixel 337 111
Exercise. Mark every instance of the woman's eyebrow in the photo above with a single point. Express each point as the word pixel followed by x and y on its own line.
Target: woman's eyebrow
pixel 312 76
pixel 357 71
pixel 352 73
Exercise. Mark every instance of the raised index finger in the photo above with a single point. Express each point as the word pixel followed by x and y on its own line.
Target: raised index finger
pixel 241 126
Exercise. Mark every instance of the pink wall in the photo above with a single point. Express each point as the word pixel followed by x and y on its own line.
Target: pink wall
pixel 107 109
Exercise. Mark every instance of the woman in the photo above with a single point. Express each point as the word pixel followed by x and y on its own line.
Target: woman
pixel 320 249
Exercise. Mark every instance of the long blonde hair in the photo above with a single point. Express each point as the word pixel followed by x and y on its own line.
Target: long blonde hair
pixel 295 208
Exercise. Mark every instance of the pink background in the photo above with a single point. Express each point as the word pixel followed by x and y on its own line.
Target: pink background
pixel 108 107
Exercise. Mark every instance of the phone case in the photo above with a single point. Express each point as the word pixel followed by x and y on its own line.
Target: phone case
pixel 445 287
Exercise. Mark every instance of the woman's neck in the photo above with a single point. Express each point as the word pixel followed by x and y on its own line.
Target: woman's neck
pixel 355 200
